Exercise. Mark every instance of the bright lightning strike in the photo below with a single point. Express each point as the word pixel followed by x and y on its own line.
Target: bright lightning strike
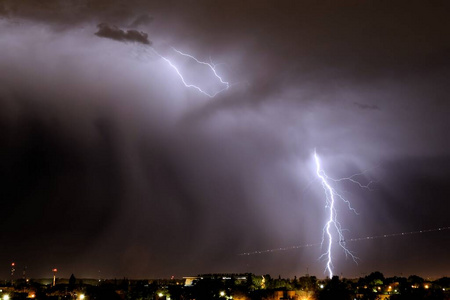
pixel 211 66
pixel 332 231
pixel 332 224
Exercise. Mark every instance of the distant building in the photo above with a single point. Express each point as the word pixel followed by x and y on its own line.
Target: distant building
pixel 190 280
pixel 283 295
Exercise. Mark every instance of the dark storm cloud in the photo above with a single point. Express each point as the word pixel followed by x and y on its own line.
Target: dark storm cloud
pixel 131 35
pixel 3 11
pixel 65 14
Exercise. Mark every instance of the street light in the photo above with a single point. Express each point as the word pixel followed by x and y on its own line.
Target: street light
pixel 54 276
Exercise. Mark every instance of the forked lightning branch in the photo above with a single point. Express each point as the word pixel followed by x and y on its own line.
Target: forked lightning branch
pixel 332 228
pixel 212 67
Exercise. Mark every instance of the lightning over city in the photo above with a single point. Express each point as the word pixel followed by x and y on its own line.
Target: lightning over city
pixel 332 223
pixel 172 145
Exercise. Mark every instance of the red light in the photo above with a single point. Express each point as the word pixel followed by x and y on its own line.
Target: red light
pixel 13 264
pixel 55 270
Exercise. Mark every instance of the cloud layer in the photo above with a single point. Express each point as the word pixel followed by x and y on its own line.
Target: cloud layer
pixel 107 159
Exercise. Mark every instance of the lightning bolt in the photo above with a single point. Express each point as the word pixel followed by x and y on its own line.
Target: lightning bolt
pixel 211 66
pixel 331 195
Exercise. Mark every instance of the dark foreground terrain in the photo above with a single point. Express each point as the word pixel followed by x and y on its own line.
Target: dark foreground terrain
pixel 230 286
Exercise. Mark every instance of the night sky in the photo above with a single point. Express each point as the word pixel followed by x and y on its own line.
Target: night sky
pixel 111 167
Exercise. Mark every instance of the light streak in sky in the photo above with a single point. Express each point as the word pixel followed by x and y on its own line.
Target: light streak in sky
pixel 211 66
pixel 358 239
pixel 332 224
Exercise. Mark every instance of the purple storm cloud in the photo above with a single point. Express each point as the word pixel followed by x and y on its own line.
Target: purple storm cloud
pixel 109 163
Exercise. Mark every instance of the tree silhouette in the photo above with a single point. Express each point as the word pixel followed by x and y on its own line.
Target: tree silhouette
pixel 72 281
